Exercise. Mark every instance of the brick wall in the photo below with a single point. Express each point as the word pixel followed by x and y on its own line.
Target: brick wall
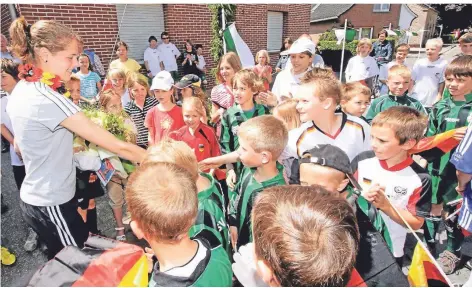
pixel 6 20
pixel 95 23
pixel 362 15
pixel 321 27
pixel 190 22
pixel 296 22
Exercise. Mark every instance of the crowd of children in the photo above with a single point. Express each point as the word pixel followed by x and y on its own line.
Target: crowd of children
pixel 216 182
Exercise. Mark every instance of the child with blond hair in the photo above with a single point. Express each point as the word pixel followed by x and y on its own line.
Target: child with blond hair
pixel 263 69
pixel 362 67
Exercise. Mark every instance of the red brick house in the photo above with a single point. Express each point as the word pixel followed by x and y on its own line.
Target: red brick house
pixel 262 26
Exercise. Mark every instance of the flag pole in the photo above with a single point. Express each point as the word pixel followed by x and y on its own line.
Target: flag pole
pixel 342 52
pixel 421 42
pixel 390 26
pixel 223 22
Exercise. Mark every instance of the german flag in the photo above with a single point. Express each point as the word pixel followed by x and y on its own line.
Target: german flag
pixel 102 262
pixel 435 146
pixel 423 271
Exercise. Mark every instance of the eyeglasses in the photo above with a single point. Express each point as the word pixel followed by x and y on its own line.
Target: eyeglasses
pixel 164 38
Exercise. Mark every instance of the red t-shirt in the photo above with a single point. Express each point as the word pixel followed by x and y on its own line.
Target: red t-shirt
pixel 161 123
pixel 203 143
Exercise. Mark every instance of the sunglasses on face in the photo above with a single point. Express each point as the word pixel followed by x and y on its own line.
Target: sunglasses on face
pixel 164 38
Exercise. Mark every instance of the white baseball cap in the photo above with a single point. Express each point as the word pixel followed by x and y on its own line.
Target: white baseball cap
pixel 162 81
pixel 300 46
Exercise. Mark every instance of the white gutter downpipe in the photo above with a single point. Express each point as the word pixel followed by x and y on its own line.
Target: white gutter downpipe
pixel 12 9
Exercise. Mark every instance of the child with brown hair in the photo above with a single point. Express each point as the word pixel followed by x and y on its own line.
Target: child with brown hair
pixel 162 198
pixel 263 69
pixel 304 236
pixel 399 77
pixel 166 116
pixel 362 66
pixel 390 178
pixel 450 113
pixel 139 107
pixel 246 85
pixel 355 99
pixel 465 43
pixel 211 203
pixel 90 82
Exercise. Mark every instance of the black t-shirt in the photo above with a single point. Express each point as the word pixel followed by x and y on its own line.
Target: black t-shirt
pixel 187 67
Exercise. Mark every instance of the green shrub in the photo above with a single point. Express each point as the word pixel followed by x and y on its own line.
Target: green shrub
pixel 328 41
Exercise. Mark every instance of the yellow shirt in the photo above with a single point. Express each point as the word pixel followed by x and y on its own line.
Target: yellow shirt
pixel 129 66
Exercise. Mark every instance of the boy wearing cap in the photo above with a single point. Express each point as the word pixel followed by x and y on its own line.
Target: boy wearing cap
pixel 301 56
pixel 389 177
pixel 328 166
pixel 152 59
pixel 166 116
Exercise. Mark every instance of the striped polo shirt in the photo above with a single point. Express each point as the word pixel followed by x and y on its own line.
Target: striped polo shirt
pixel 138 115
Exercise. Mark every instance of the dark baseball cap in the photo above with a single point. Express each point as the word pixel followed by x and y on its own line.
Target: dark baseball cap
pixel 329 156
pixel 188 80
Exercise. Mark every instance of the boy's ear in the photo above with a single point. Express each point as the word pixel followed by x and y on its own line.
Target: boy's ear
pixel 267 274
pixel 343 185
pixel 408 145
pixel 266 157
pixel 136 229
pixel 328 102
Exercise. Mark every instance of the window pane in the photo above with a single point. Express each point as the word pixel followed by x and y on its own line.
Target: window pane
pixel 377 7
pixel 385 7
pixel 274 30
pixel 365 33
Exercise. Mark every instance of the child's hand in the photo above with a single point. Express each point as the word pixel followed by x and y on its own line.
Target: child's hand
pixel 149 254
pixel 268 98
pixel 233 233
pixel 93 177
pixel 376 195
pixel 460 133
pixel 209 163
pixel 231 179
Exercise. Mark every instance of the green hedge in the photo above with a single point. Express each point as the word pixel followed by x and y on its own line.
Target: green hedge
pixel 328 41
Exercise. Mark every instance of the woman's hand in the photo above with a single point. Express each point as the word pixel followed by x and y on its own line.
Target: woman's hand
pixel 268 98
pixel 231 179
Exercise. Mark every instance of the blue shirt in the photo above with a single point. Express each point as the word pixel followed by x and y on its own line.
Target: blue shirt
pixel 462 159
pixel 88 84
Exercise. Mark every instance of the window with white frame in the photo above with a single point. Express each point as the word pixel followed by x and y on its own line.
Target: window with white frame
pixel 364 32
pixel 275 24
pixel 381 7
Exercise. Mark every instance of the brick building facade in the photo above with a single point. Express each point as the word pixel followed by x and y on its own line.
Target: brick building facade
pixel 98 24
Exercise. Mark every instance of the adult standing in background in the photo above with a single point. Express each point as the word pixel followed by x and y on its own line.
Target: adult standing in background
pixel 283 58
pixel 4 53
pixel 152 59
pixel 169 54
pixel 382 49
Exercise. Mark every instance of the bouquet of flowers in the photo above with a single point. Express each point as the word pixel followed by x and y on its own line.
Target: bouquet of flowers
pixel 87 153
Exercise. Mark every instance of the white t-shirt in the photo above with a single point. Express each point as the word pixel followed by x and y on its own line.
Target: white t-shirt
pixel 353 138
pixel 36 112
pixel 360 68
pixel 427 76
pixel 15 160
pixel 168 52
pixel 201 62
pixel 153 59
pixel 286 83
pixel 125 98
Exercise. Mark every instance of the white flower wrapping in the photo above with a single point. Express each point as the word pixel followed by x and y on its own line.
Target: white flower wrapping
pixel 244 267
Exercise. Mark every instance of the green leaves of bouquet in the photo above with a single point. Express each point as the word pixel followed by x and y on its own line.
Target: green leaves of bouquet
pixel 117 124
